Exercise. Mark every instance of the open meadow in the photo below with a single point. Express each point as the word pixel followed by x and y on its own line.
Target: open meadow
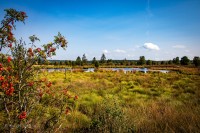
pixel 132 102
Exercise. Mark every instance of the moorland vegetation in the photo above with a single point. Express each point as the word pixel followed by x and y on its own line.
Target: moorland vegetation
pixel 35 100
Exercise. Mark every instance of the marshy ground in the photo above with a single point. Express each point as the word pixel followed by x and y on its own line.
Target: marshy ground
pixel 132 102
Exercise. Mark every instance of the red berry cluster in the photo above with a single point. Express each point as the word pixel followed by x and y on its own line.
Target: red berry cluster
pixel 50 49
pixel 9 59
pixel 30 52
pixel 23 14
pixel 1 78
pixel 67 111
pixel 30 83
pixel 10 45
pixel 76 97
pixel 49 84
pixel 38 49
pixel 22 115
pixel 6 82
pixel 1 67
pixel 10 90
pixel 8 25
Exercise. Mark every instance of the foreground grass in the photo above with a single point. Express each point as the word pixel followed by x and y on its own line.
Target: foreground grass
pixel 118 102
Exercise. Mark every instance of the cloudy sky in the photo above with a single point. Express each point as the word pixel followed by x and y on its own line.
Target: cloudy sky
pixel 156 29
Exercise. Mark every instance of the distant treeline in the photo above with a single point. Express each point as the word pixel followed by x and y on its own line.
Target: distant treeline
pixel 109 62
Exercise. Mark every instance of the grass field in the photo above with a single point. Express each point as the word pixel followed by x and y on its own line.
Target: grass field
pixel 133 102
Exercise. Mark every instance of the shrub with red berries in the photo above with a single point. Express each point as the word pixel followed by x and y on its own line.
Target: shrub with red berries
pixel 23 94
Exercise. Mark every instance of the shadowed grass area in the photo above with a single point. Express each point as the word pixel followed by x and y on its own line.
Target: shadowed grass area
pixel 133 102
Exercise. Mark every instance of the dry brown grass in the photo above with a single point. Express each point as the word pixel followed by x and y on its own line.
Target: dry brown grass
pixel 161 117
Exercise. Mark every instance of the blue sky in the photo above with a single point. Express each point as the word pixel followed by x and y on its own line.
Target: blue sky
pixel 156 29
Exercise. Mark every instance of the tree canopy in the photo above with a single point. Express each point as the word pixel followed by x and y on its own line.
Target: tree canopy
pixel 196 61
pixel 142 60
pixel 185 60
pixel 103 58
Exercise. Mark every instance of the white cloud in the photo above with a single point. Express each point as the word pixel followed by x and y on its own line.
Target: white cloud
pixel 178 46
pixel 119 51
pixel 151 46
pixel 105 51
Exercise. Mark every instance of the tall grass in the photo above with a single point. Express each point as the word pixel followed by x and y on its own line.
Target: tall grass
pixel 133 102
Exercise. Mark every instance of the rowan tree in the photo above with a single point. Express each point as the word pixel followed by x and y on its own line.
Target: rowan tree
pixel 22 92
